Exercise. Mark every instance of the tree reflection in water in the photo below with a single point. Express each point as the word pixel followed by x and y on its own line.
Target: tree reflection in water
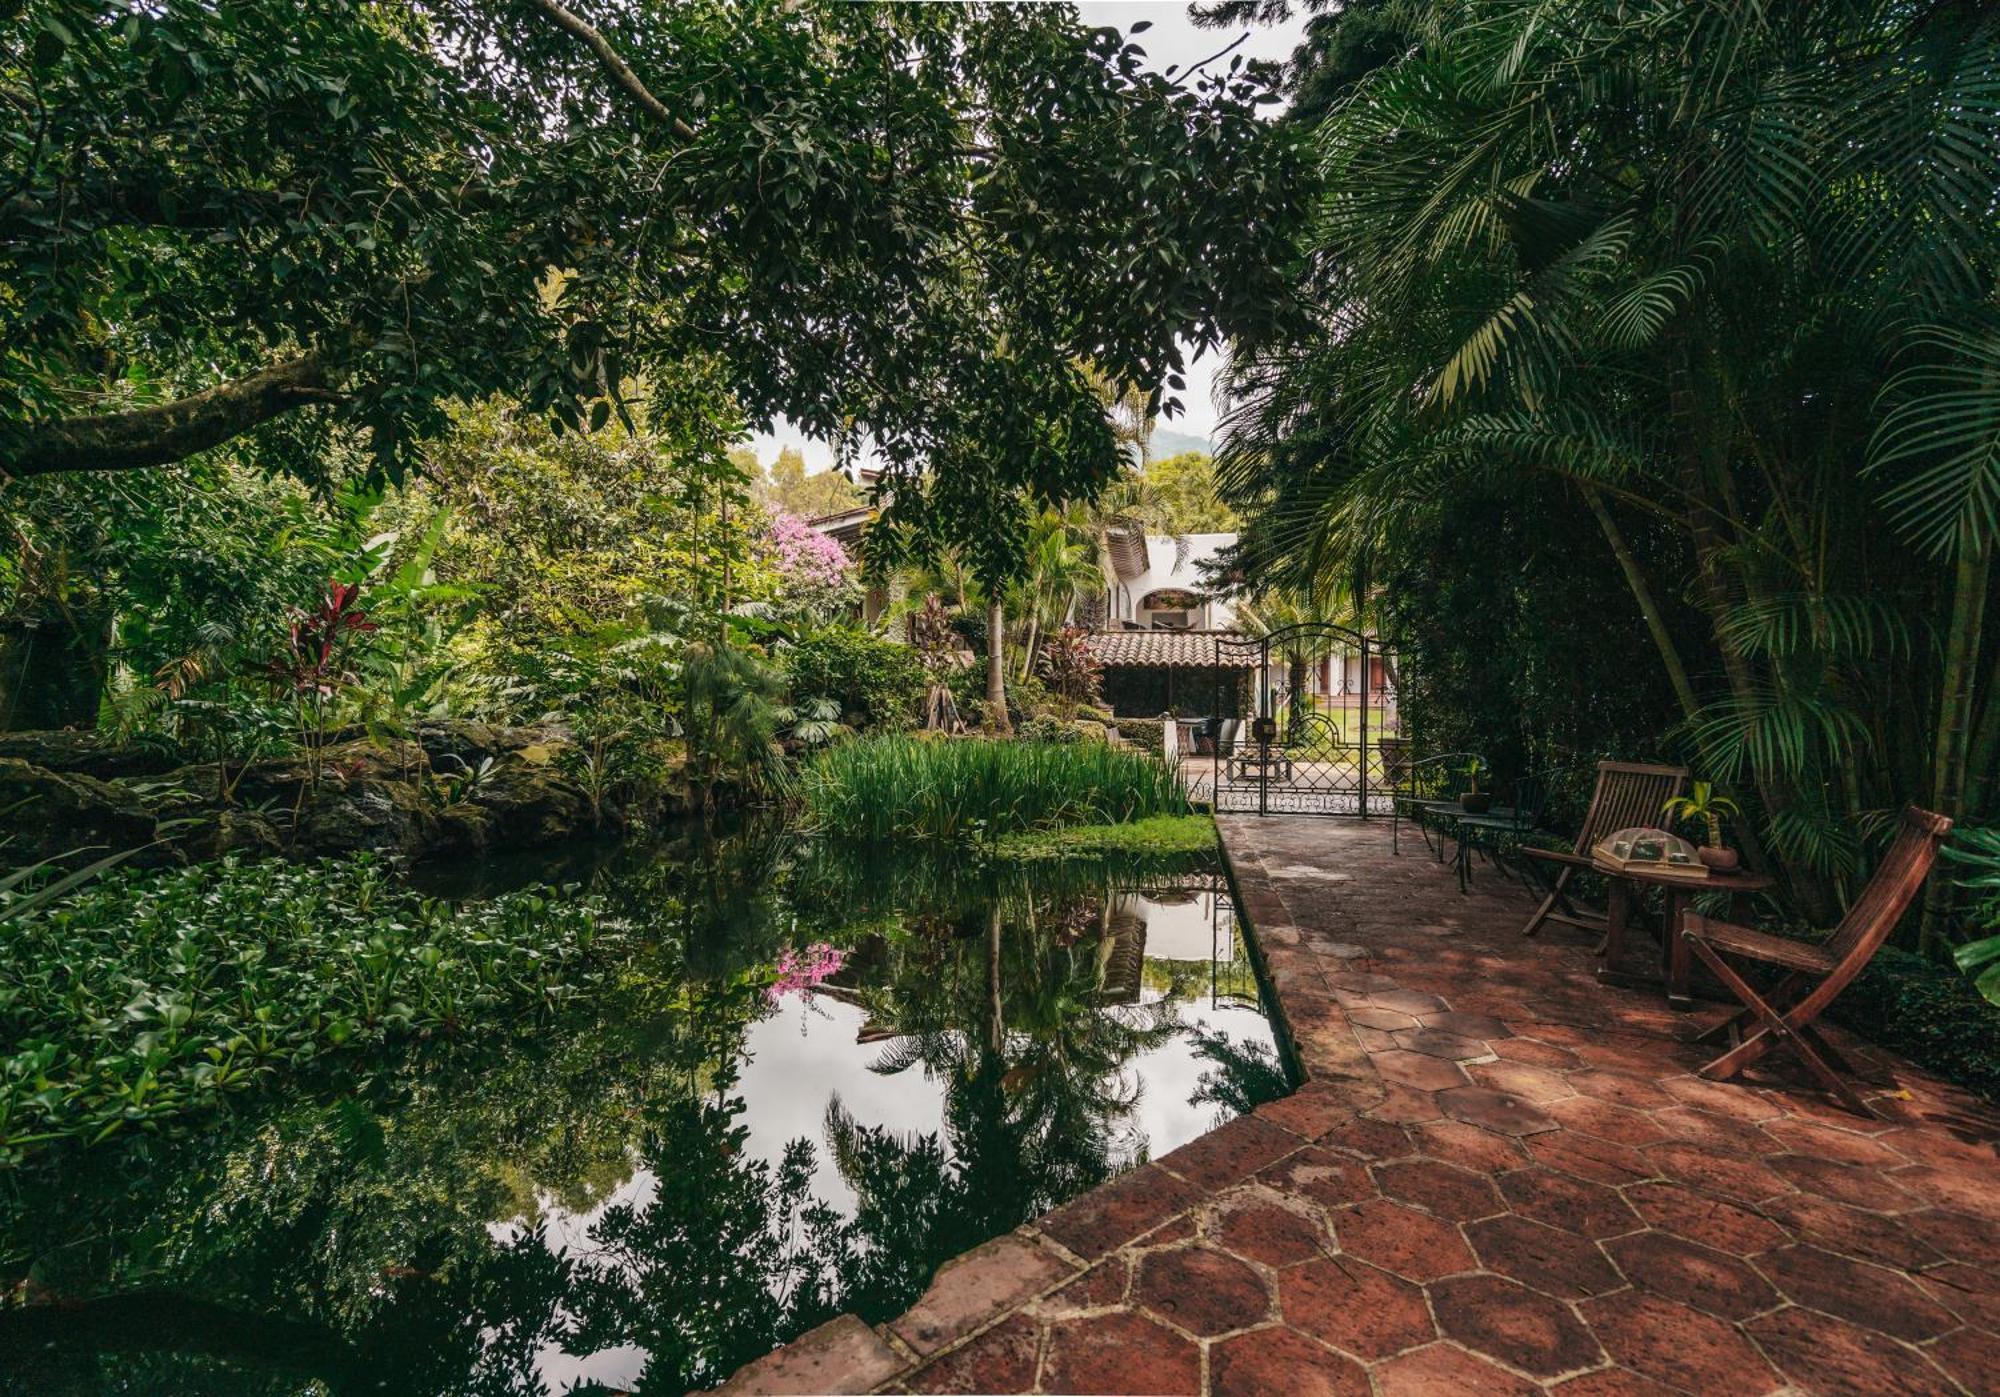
pixel 585 1209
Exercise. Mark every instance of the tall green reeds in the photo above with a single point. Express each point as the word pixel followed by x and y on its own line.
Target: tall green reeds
pixel 973 789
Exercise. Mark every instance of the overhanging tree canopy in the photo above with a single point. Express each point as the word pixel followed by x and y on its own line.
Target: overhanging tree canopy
pixel 909 222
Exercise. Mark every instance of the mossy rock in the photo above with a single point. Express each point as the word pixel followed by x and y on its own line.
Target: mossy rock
pixel 45 812
pixel 70 750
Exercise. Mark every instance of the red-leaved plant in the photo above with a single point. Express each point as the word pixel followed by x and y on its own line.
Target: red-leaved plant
pixel 316 662
pixel 1071 670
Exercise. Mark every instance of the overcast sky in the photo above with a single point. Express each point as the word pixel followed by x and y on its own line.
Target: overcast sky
pixel 1172 41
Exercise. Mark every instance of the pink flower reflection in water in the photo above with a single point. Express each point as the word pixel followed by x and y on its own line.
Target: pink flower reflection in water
pixel 801 970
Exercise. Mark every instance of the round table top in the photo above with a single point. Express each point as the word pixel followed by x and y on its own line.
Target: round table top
pixel 1742 880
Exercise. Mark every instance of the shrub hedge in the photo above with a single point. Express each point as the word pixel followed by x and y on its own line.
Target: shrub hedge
pixel 879 681
pixel 1930 1014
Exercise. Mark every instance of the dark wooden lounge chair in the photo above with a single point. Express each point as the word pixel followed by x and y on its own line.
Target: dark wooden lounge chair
pixel 1814 974
pixel 1628 793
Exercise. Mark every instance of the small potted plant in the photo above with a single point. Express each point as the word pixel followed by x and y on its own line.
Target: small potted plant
pixel 1472 800
pixel 1708 806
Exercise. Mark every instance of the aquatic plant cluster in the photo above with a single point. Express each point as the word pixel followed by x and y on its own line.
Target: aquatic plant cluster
pixel 970 790
pixel 149 994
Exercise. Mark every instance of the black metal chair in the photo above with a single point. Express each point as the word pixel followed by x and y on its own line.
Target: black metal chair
pixel 1501 831
pixel 1415 799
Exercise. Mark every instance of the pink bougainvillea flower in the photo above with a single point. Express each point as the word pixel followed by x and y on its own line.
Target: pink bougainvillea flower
pixel 801 970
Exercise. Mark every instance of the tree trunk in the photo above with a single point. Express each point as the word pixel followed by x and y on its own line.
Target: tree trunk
pixel 1955 708
pixel 996 667
pixel 1642 592
pixel 1808 888
pixel 996 1020
pixel 1983 763
pixel 53 670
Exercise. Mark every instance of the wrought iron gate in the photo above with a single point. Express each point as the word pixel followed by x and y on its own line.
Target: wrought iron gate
pixel 1319 733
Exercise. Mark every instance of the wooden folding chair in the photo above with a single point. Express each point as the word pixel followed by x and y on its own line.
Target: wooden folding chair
pixel 1627 794
pixel 1814 975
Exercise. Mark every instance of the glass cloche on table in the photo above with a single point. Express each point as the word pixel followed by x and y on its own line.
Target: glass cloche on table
pixel 1642 849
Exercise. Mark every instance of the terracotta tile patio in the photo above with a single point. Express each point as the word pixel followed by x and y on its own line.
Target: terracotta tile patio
pixel 1499 1177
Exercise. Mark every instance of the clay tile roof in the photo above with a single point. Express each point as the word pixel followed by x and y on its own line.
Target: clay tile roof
pixel 1168 649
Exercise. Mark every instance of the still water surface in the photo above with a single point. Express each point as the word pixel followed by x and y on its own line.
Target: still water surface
pixel 821 1075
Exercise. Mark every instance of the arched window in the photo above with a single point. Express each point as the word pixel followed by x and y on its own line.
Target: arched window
pixel 1171 608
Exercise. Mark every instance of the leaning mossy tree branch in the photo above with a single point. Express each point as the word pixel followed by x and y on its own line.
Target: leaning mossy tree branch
pixel 168 432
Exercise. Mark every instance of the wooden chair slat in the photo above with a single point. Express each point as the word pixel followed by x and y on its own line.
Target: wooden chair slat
pixel 1626 794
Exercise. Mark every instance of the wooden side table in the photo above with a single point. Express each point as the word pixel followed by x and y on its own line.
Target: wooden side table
pixel 1626 884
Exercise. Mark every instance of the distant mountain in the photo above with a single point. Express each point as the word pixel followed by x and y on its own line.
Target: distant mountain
pixel 1166 443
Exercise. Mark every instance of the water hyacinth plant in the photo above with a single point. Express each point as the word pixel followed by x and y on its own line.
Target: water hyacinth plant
pixel 967 789
pixel 149 994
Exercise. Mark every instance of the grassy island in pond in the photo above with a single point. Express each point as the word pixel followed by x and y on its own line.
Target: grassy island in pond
pixel 967 789
pixel 1157 836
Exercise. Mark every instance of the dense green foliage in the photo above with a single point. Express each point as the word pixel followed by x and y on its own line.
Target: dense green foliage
pixel 1930 1014
pixel 879 788
pixel 231 219
pixel 144 996
pixel 786 485
pixel 1657 352
pixel 1176 495
pixel 878 682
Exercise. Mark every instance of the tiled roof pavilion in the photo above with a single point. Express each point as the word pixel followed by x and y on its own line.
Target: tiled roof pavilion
pixel 1170 650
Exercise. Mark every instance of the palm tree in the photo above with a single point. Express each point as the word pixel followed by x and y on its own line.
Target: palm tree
pixel 1726 275
pixel 1062 566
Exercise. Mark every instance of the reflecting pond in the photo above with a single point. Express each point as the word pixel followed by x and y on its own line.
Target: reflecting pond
pixel 822 1075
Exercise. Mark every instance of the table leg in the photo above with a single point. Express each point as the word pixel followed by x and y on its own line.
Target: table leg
pixel 1616 910
pixel 1675 952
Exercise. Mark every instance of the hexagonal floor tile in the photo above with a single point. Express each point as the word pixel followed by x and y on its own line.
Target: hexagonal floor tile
pixel 1121 1353
pixel 1350 1304
pixel 1692 1274
pixel 1204 1291
pixel 1414 1245
pixel 1575 1205
pixel 1325 1177
pixel 1419 1070
pixel 1523 1328
pixel 1281 1363
pixel 1822 1354
pixel 1845 1183
pixel 1700 1217
pixel 1445 1189
pixel 1545 1258
pixel 1498 1111
pixel 1676 1345
pixel 1716 1171
pixel 1267 1227
pixel 1445 1370
pixel 1860 1291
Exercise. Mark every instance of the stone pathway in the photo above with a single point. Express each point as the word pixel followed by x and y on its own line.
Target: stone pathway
pixel 1500 1177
